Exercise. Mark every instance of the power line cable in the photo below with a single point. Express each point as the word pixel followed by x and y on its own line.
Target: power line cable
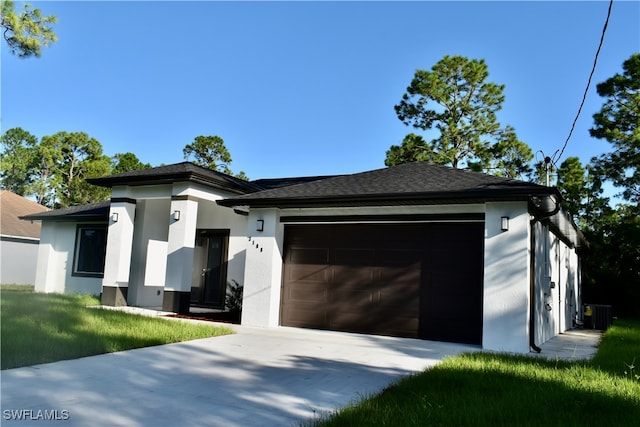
pixel 593 69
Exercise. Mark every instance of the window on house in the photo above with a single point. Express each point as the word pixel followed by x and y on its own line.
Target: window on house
pixel 91 245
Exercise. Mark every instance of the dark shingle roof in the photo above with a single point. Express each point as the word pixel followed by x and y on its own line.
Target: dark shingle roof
pixel 417 182
pixel 185 171
pixel 94 211
pixel 12 207
pixel 270 183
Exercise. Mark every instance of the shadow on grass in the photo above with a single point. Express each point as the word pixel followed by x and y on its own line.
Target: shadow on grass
pixel 497 390
pixel 619 351
pixel 41 328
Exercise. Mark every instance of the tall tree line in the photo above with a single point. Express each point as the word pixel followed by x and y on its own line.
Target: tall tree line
pixel 54 170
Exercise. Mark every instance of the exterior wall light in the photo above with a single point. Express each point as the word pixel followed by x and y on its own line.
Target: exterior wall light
pixel 260 225
pixel 504 223
pixel 176 215
pixel 114 217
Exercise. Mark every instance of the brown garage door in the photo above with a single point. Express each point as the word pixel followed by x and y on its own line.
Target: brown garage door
pixel 418 280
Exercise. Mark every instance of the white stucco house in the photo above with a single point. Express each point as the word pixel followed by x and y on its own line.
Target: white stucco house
pixel 18 239
pixel 416 250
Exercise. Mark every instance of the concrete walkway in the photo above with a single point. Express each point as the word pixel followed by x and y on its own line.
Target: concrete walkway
pixel 576 344
pixel 257 377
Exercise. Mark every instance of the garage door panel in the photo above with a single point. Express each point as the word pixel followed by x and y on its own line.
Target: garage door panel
pixel 351 277
pixel 419 280
pixel 397 276
pixel 351 297
pixel 406 302
pixel 309 273
pixel 451 296
pixel 349 321
pixel 319 256
pixel 352 257
pixel 357 322
pixel 448 328
pixel 305 315
pixel 398 258
pixel 400 327
pixel 309 292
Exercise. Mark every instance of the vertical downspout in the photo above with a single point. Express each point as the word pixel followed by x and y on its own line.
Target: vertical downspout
pixel 532 281
pixel 532 289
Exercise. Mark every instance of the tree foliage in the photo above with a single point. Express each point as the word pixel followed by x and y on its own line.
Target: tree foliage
pixel 126 162
pixel 18 158
pixel 75 156
pixel 54 170
pixel 618 122
pixel 572 184
pixel 509 157
pixel 611 264
pixel 413 149
pixel 612 261
pixel 210 152
pixel 27 32
pixel 455 99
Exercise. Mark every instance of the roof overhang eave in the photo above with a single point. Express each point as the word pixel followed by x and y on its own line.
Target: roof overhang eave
pixel 138 181
pixel 392 199
pixel 69 218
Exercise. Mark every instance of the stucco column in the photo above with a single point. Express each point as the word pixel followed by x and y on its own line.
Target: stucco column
pixel 180 250
pixel 506 278
pixel 115 282
pixel 263 269
pixel 45 271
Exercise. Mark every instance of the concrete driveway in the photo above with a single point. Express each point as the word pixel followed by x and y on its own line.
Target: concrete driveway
pixel 257 377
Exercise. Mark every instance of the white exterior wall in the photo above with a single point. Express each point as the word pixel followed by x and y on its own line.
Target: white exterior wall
pixel 149 258
pixel 19 258
pixel 55 262
pixel 557 291
pixel 180 247
pixel 119 245
pixel 573 296
pixel 543 318
pixel 506 278
pixel 263 271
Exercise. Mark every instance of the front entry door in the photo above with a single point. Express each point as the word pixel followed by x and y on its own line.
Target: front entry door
pixel 208 287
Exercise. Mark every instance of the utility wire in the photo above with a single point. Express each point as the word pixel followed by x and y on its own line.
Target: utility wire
pixel 584 97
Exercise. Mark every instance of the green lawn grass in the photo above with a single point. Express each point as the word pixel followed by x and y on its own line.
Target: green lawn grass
pixel 40 328
pixel 486 389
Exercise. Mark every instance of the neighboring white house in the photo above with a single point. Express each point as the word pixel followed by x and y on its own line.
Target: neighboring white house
pixel 18 239
pixel 415 250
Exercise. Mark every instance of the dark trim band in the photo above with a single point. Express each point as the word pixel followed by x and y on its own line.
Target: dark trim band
pixel 123 200
pixel 185 197
pixel 467 217
pixel 176 301
pixel 114 296
pixel 18 239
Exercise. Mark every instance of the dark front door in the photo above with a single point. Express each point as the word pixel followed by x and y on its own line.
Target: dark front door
pixel 209 268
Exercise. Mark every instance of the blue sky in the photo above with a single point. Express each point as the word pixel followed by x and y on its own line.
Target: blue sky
pixel 305 88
